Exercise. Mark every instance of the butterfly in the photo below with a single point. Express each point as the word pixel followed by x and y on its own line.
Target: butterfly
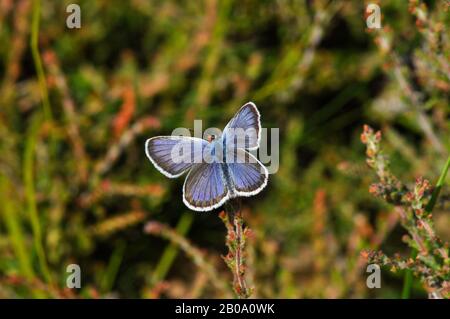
pixel 219 168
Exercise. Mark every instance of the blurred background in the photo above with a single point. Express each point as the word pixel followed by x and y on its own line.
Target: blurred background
pixel 76 106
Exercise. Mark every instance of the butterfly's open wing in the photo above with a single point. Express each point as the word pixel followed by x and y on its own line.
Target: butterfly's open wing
pixel 248 175
pixel 204 188
pixel 174 155
pixel 244 129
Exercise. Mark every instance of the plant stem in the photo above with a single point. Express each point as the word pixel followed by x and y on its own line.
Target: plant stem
pixel 37 59
pixel 107 281
pixel 30 196
pixel 171 251
pixel 14 227
pixel 239 271
pixel 438 187
pixel 408 279
pixel 235 241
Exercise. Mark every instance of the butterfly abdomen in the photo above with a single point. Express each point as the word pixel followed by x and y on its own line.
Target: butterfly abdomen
pixel 224 168
pixel 226 175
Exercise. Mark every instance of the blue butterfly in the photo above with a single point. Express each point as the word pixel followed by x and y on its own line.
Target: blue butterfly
pixel 219 168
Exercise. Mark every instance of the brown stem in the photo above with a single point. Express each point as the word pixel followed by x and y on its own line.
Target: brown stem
pixel 235 241
pixel 238 255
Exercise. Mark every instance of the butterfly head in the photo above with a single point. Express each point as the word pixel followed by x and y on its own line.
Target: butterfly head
pixel 211 138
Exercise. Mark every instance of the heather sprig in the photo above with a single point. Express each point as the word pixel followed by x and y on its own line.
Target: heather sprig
pixel 414 207
pixel 236 238
pixel 388 187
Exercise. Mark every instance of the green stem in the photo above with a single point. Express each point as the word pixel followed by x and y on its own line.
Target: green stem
pixel 30 196
pixel 408 279
pixel 14 227
pixel 438 187
pixel 115 261
pixel 171 250
pixel 34 43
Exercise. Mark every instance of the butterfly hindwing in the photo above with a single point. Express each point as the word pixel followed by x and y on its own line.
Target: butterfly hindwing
pixel 248 175
pixel 204 188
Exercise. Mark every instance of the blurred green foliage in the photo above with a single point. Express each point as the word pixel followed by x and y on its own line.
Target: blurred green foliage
pixel 76 187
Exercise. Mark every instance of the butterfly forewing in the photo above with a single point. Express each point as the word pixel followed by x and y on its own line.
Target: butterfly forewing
pixel 244 129
pixel 174 155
